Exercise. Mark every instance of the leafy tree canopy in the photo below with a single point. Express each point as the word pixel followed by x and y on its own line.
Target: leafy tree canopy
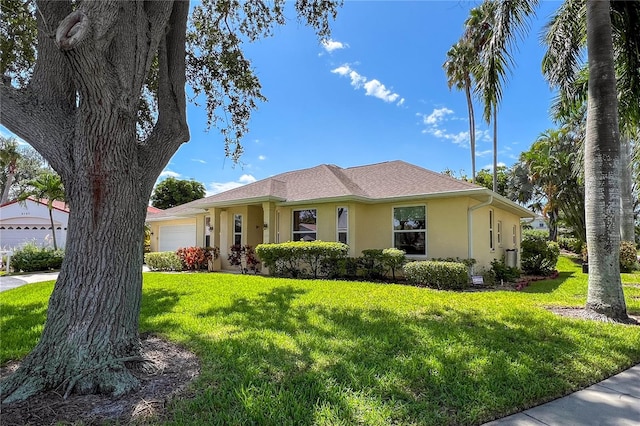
pixel 18 165
pixel 173 192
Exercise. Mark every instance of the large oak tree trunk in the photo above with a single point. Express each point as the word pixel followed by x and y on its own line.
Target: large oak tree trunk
pixel 92 323
pixel 602 169
pixel 80 113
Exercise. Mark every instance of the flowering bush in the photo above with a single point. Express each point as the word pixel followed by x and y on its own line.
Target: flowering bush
pixel 244 257
pixel 193 258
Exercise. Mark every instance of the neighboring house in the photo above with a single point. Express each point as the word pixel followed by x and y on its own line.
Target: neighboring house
pixel 391 204
pixel 28 221
pixel 539 223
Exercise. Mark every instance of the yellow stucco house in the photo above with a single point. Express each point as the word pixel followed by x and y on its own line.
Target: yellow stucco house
pixel 391 204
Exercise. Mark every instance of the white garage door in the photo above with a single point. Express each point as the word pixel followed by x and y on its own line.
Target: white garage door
pixel 174 237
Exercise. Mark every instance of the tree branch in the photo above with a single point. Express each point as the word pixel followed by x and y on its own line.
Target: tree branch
pixel 171 129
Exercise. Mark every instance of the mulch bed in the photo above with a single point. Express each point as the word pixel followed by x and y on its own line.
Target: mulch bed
pixel 175 368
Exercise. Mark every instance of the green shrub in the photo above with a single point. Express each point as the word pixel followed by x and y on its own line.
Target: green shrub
pixel 536 233
pixel 392 259
pixel 371 264
pixel 628 256
pixel 504 273
pixel 539 256
pixel 31 258
pixel 299 258
pixel 571 244
pixel 441 275
pixel 163 261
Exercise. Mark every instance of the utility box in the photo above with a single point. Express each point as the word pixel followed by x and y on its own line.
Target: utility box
pixel 511 258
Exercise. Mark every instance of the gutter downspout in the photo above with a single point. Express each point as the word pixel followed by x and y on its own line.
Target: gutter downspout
pixel 470 224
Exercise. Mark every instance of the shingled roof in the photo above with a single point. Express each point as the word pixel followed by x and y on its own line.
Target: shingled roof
pixel 370 183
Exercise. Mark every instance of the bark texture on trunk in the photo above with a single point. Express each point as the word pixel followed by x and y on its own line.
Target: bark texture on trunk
pixel 602 169
pixel 88 91
pixel 627 225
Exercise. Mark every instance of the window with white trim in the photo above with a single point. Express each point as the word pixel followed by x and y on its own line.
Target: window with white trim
pixel 343 225
pixel 237 229
pixel 515 235
pixel 207 231
pixel 499 233
pixel 410 229
pixel 491 241
pixel 304 225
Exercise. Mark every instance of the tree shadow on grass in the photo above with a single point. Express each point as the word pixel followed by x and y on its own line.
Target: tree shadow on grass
pixel 293 363
pixel 549 285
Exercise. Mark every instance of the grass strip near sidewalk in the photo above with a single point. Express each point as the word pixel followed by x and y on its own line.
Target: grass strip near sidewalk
pixel 280 351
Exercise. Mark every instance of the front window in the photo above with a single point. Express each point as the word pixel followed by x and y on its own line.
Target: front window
pixel 304 225
pixel 207 231
pixel 410 229
pixel 499 233
pixel 491 243
pixel 237 229
pixel 343 225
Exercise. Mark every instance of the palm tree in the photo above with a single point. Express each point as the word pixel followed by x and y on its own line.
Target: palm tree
pixel 602 168
pixel 9 157
pixel 458 69
pixel 48 186
pixel 545 177
pixel 492 28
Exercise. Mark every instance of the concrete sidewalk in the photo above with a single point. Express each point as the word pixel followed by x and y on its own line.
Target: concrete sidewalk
pixel 13 281
pixel 612 402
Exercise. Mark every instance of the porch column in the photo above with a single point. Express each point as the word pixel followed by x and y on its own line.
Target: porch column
pixel 215 235
pixel 269 217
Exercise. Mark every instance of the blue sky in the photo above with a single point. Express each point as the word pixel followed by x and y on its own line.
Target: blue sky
pixel 374 92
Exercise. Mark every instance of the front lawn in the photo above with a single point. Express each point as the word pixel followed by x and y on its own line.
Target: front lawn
pixel 283 351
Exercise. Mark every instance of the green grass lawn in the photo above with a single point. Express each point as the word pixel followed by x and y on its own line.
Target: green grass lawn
pixel 281 351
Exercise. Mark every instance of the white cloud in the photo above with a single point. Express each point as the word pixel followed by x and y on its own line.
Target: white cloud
pixel 218 187
pixel 342 70
pixel 377 89
pixel 437 116
pixel 484 153
pixel 169 173
pixel 436 126
pixel 262 157
pixel 246 179
pixel 371 87
pixel 490 166
pixel 331 45
pixel 197 160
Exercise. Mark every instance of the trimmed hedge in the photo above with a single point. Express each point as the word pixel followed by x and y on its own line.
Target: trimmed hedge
pixel 31 258
pixel 440 275
pixel 163 261
pixel 299 258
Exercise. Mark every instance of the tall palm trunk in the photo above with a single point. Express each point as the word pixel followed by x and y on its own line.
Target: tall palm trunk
pixel 602 168
pixel 472 129
pixel 627 226
pixel 53 228
pixel 10 176
pixel 495 148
